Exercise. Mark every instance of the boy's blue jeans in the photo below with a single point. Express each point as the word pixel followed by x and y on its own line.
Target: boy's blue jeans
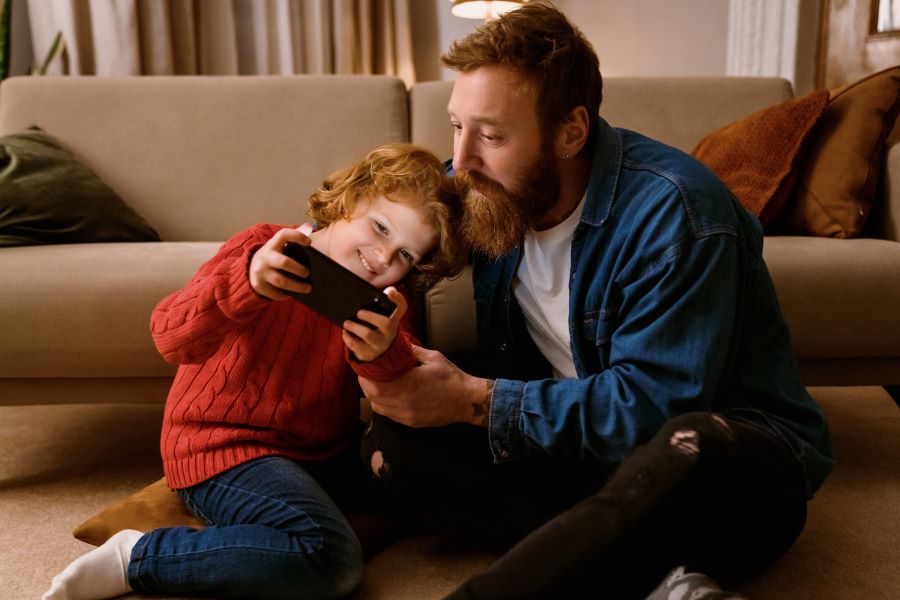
pixel 273 532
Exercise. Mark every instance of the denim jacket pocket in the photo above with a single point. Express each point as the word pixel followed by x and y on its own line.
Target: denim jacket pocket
pixel 597 329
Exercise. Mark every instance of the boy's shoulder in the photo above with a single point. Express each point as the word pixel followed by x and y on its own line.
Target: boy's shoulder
pixel 259 231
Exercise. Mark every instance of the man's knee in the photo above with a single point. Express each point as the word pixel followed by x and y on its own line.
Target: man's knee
pixel 381 449
pixel 381 468
pixel 691 434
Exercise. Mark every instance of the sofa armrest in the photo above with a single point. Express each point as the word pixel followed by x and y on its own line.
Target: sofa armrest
pixel 888 213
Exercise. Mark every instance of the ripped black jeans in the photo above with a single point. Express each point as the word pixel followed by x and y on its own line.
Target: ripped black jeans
pixel 720 496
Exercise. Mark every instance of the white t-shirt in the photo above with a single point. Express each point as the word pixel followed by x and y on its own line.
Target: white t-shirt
pixel 541 287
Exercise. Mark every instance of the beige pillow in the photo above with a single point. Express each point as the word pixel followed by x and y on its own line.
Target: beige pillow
pixel 756 156
pixel 839 172
pixel 152 507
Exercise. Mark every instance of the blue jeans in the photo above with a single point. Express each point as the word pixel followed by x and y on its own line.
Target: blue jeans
pixel 273 532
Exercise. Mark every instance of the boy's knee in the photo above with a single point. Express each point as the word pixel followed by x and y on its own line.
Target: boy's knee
pixel 339 571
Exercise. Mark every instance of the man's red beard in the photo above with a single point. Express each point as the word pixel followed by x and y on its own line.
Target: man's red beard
pixel 495 219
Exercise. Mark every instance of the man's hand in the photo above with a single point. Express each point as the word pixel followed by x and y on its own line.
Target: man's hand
pixel 367 343
pixel 433 394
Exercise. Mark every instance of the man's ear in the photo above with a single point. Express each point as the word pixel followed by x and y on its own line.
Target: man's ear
pixel 573 133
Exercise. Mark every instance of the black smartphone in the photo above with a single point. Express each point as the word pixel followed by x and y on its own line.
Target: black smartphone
pixel 337 293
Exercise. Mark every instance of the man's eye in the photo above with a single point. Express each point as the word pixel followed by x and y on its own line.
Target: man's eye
pixel 456 126
pixel 490 139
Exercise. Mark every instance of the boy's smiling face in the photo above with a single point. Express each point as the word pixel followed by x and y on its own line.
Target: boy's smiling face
pixel 380 242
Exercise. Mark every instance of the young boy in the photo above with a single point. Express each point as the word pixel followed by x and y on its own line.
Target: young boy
pixel 261 427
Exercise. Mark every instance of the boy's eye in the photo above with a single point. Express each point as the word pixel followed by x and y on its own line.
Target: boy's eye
pixel 406 256
pixel 381 228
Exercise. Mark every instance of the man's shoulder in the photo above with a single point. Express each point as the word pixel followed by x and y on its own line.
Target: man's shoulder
pixel 660 179
pixel 643 154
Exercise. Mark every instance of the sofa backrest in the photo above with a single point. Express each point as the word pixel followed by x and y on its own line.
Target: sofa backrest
pixel 203 157
pixel 676 110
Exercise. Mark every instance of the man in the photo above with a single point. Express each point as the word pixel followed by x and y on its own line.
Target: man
pixel 639 405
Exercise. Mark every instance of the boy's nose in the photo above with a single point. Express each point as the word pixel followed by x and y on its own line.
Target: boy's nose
pixel 384 256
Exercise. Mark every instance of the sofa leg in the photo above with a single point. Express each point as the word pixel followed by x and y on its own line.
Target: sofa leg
pixel 894 392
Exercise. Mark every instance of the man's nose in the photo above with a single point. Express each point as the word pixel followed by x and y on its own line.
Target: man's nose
pixel 465 158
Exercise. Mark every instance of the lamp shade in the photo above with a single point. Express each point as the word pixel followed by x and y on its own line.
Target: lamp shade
pixel 483 9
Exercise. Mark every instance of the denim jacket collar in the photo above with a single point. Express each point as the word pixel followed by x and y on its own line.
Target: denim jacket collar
pixel 606 163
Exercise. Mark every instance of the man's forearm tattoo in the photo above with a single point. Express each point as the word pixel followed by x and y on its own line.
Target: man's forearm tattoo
pixel 481 410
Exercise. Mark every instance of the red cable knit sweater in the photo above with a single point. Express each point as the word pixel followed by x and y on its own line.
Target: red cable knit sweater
pixel 256 377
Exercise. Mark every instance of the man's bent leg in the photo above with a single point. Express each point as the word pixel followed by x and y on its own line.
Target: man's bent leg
pixel 720 496
pixel 447 476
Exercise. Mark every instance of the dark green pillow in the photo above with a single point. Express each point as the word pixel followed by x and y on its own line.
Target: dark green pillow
pixel 48 197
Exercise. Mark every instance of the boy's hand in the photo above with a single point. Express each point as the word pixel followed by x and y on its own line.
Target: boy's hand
pixel 368 344
pixel 269 264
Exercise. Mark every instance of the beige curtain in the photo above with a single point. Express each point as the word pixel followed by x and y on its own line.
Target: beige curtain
pixel 226 37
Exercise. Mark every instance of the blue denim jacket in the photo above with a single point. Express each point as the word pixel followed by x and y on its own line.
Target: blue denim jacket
pixel 671 310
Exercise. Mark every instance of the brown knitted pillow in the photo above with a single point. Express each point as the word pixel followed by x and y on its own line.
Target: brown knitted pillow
pixel 756 157
pixel 154 506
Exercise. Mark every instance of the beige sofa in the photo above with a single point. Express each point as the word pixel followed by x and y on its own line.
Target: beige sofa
pixel 202 157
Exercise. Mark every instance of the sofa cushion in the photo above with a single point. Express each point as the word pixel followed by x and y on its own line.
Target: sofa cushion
pixel 203 157
pixel 839 174
pixel 83 310
pixel 756 156
pixel 47 196
pixel 839 296
pixel 664 108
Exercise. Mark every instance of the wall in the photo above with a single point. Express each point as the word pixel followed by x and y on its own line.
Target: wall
pixel 634 38
pixel 660 37
pixel 654 37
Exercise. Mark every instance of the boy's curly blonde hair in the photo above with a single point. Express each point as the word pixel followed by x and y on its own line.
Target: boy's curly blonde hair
pixel 414 177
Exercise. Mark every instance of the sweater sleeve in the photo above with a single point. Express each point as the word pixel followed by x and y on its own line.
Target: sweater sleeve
pixel 398 358
pixel 190 324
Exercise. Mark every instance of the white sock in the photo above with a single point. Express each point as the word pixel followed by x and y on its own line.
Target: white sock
pixel 101 573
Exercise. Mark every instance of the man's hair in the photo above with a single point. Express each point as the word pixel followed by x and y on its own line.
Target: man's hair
pixel 539 41
pixel 414 177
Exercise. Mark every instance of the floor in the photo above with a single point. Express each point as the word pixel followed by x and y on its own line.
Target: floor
pixel 61 464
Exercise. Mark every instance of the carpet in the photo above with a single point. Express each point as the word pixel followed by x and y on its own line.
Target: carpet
pixel 60 464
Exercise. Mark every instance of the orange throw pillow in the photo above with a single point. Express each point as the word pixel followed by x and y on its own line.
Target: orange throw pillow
pixel 840 171
pixel 756 156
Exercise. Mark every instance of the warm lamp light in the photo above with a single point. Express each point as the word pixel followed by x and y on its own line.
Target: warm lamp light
pixel 483 9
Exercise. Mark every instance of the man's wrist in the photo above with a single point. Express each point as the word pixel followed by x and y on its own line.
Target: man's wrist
pixel 481 403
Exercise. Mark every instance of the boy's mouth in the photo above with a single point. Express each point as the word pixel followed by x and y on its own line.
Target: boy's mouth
pixel 365 263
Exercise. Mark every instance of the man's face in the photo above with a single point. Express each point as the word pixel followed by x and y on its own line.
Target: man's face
pixel 500 156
